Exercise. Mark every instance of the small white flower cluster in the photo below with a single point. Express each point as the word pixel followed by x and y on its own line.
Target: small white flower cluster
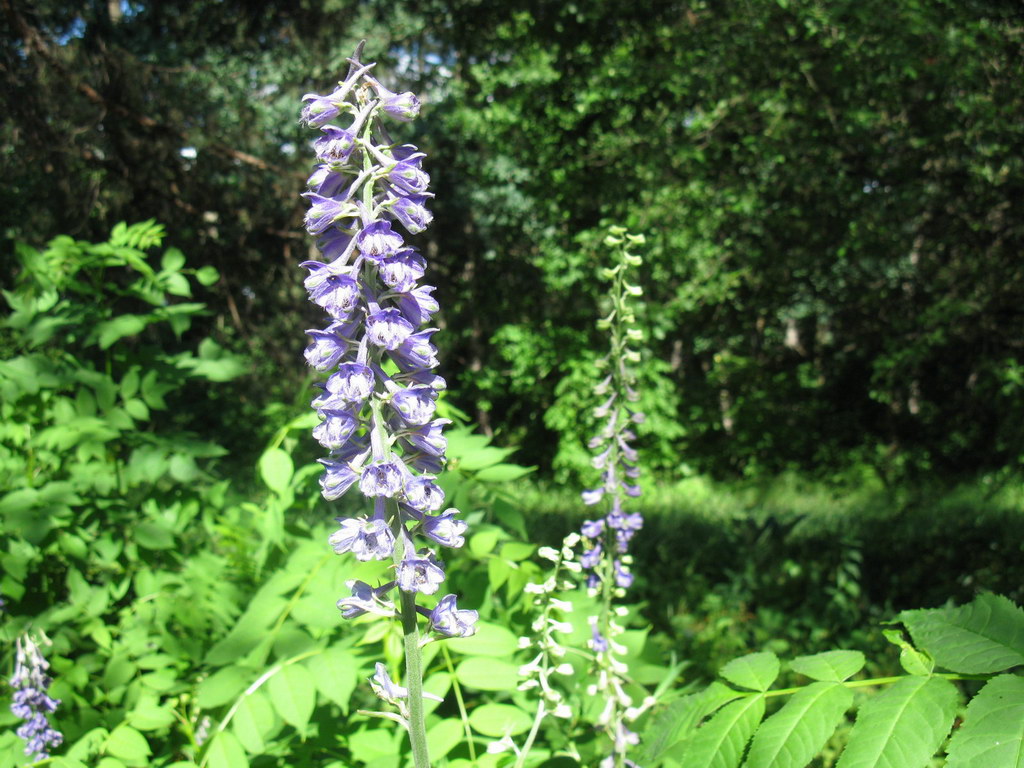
pixel 550 609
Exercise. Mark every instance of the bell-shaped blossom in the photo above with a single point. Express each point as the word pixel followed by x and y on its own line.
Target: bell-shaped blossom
pixel 429 438
pixel 407 176
pixel 401 270
pixel 377 241
pixel 366 599
pixel 388 329
pixel 324 212
pixel 415 405
pixel 418 305
pixel 423 494
pixel 448 620
pixel 381 478
pixel 419 572
pixel 336 145
pixel 402 106
pixel 370 539
pixel 412 211
pixel 325 350
pixel 445 529
pixel 336 428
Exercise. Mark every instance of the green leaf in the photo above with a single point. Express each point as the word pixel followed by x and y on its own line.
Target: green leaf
pixel 489 640
pixel 223 686
pixel 444 737
pixel 903 726
pixel 721 741
pixel 796 733
pixel 680 718
pixel 336 676
pixel 207 275
pixel 984 636
pixel 834 666
pixel 127 744
pixel 483 543
pixel 172 260
pixel 152 535
pixel 226 752
pixel 254 722
pixel 496 720
pixel 483 457
pixel 292 690
pixel 756 670
pixel 124 325
pixel 487 674
pixel 276 470
pixel 992 734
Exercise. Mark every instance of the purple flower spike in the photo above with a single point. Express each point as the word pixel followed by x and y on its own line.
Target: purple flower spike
pixel 388 329
pixel 444 529
pixel 30 701
pixel 447 620
pixel 367 539
pixel 420 573
pixel 378 240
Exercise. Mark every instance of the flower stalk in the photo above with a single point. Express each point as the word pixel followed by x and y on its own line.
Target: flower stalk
pixel 377 404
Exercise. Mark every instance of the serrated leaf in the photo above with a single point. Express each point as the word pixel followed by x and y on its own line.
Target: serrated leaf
pixel 992 734
pixel 796 733
pixel 292 691
pixel 756 670
pixel 987 635
pixel 487 674
pixel 903 726
pixel 830 666
pixel 226 752
pixel 721 741
pixel 680 717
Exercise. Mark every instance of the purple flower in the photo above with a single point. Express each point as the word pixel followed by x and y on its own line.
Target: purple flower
pixel 336 428
pixel 623 577
pixel 423 494
pixel 402 106
pixel 598 643
pixel 592 528
pixel 444 529
pixel 407 177
pixel 30 701
pixel 592 497
pixel 337 478
pixel 381 478
pixel 384 687
pixel 325 351
pixel 401 270
pixel 319 110
pixel 377 240
pixel 416 352
pixel 591 557
pixel 448 620
pixel 415 405
pixel 388 329
pixel 366 599
pixel 429 438
pixel 418 305
pixel 323 213
pixel 325 181
pixel 352 383
pixel 335 146
pixel 420 572
pixel 367 539
pixel 337 294
pixel 412 212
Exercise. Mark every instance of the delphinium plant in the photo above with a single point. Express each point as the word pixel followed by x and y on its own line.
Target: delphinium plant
pixel 605 557
pixel 31 701
pixel 378 403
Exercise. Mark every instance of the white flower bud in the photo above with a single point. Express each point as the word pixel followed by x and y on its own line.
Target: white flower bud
pixel 548 553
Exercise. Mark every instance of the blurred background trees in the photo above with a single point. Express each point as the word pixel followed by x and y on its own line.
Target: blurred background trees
pixel 831 194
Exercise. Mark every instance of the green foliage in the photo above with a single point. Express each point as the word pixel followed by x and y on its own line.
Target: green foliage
pixel 902 725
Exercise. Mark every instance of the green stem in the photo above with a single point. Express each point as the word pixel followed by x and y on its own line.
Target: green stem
pixel 414 681
pixel 462 705
pixel 528 744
